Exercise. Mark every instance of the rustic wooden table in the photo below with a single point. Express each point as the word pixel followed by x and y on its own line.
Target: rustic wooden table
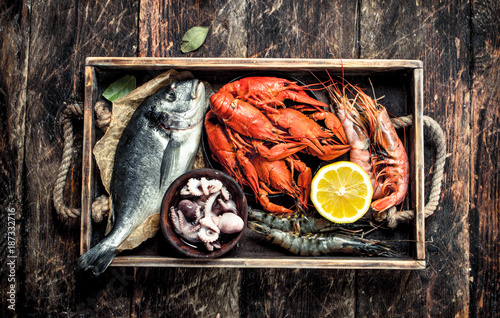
pixel 42 54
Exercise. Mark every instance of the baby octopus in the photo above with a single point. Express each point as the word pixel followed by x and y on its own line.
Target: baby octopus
pixel 205 212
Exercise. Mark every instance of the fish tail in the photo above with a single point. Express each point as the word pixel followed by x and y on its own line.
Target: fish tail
pixel 97 258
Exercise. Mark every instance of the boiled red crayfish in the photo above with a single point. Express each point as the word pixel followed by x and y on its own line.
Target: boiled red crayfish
pixel 250 129
pixel 269 91
pixel 325 142
pixel 244 119
pixel 277 175
pixel 224 151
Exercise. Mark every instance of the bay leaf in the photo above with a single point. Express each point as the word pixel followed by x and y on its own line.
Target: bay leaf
pixel 193 38
pixel 120 88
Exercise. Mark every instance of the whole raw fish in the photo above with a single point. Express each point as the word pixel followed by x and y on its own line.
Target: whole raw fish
pixel 157 146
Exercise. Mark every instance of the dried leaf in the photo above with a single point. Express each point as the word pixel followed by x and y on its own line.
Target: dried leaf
pixel 193 38
pixel 120 88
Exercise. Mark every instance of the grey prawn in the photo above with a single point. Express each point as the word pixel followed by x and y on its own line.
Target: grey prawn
pixel 322 244
pixel 302 224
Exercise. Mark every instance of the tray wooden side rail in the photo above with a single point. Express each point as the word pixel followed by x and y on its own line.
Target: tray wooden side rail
pixel 251 252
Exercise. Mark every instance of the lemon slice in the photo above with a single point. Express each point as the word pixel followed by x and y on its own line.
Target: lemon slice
pixel 341 192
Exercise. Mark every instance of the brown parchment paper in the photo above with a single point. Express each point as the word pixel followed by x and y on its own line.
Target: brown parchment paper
pixel 104 149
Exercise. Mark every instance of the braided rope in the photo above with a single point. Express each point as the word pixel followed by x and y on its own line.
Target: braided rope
pixel 68 112
pixel 393 216
pixel 103 117
pixel 100 208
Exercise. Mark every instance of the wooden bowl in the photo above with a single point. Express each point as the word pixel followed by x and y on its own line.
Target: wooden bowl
pixel 172 198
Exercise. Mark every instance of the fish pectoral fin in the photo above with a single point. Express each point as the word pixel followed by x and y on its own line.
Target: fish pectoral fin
pixel 171 157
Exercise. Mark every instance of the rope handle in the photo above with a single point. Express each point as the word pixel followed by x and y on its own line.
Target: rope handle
pixel 392 215
pixel 103 117
pixel 101 206
pixel 70 111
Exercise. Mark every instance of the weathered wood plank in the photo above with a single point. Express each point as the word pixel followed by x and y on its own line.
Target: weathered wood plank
pixel 161 29
pixel 389 294
pixel 186 292
pixel 14 29
pixel 354 66
pixel 317 29
pixel 61 36
pixel 437 34
pixel 485 139
pixel 44 97
pixel 298 293
pixel 303 29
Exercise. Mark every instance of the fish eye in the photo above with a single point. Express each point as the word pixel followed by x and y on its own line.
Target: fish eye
pixel 170 96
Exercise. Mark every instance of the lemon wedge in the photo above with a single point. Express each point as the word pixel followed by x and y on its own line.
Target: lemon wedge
pixel 341 192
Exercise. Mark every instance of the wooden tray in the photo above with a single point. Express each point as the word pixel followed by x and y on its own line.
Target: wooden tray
pixel 399 81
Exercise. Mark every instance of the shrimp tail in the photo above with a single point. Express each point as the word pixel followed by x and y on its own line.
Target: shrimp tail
pixel 259 227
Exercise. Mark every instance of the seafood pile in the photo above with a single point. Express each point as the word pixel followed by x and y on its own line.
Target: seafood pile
pixel 257 137
pixel 259 129
pixel 205 211
pixel 256 128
